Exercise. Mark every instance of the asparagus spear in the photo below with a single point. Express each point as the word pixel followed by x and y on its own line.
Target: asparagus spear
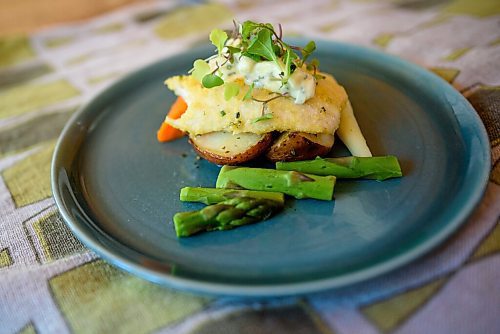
pixel 225 215
pixel 291 183
pixel 216 195
pixel 379 168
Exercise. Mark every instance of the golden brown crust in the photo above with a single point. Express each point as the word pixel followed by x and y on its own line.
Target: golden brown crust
pixel 293 146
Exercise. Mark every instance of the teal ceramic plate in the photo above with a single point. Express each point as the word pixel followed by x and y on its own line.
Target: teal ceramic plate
pixel 118 188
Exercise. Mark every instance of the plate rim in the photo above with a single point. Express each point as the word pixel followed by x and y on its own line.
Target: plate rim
pixel 294 288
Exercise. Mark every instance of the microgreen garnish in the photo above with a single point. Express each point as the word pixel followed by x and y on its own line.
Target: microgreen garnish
pixel 248 94
pixel 307 51
pixel 257 41
pixel 231 89
pixel 263 118
pixel 271 99
pixel 222 113
pixel 265 102
pixel 218 38
pixel 262 46
pixel 200 69
pixel 314 63
pixel 290 56
pixel 211 80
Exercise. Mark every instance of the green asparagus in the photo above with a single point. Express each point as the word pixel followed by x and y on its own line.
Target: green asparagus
pixel 291 183
pixel 378 168
pixel 216 195
pixel 225 215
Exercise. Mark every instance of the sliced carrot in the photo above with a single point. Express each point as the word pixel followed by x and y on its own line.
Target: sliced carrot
pixel 178 108
pixel 168 132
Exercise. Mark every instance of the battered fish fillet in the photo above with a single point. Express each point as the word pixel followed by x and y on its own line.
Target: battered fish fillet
pixel 208 111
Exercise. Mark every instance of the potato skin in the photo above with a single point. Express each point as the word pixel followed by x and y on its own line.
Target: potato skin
pixel 251 153
pixel 292 146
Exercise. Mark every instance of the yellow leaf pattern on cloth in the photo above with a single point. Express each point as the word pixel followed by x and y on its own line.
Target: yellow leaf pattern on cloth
pixel 29 179
pixel 109 28
pixel 20 137
pixel 14 76
pixel 456 54
pixel 5 258
pixel 481 8
pixel 31 96
pixel 495 42
pixel 188 20
pixel 383 40
pixel 28 329
pixel 58 41
pixel 331 26
pixel 14 50
pixel 490 245
pixel 448 74
pixel 55 238
pixel 390 313
pixel 101 299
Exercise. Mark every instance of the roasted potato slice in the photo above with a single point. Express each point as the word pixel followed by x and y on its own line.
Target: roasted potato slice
pixel 225 148
pixel 293 146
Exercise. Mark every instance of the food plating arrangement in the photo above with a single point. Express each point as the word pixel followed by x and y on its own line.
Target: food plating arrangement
pixel 260 98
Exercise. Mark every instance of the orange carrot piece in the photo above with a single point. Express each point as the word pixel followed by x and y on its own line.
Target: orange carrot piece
pixel 178 108
pixel 168 132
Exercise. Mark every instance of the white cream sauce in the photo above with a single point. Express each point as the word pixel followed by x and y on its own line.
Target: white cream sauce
pixel 301 84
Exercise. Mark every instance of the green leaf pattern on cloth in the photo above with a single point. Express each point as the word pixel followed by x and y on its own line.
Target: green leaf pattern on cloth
pixel 193 19
pixel 5 258
pixel 448 74
pixel 29 179
pixel 28 329
pixel 14 50
pixel 55 238
pixel 480 8
pixel 153 306
pixel 389 313
pixel 38 129
pixel 490 245
pixel 31 96
pixel 50 282
pixel 13 76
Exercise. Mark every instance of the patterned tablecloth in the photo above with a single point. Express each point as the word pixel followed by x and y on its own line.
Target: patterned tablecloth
pixel 50 283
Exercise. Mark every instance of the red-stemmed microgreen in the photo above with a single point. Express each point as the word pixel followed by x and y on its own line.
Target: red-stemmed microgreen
pixel 258 41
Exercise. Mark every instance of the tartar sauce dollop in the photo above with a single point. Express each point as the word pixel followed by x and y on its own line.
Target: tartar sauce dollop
pixel 301 84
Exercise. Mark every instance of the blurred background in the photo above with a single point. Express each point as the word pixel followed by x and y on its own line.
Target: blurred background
pixel 30 15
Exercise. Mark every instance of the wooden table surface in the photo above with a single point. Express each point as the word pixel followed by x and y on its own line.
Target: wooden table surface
pixel 25 16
